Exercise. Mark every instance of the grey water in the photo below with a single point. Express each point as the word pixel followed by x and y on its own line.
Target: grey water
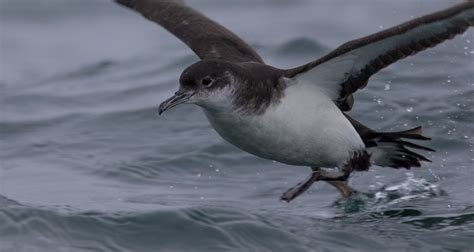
pixel 87 165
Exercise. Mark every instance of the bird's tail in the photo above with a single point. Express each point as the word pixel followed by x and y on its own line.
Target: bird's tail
pixel 392 149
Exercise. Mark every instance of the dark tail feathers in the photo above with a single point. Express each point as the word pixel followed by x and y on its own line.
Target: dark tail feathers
pixel 392 149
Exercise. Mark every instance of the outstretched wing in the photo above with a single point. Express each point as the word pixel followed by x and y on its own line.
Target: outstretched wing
pixel 205 37
pixel 348 68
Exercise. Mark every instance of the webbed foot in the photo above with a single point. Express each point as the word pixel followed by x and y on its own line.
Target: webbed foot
pixel 337 179
pixel 300 188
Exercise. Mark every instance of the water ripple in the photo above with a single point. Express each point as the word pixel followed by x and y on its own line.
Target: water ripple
pixel 202 228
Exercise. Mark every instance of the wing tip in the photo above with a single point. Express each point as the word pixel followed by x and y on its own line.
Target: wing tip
pixel 132 3
pixel 127 3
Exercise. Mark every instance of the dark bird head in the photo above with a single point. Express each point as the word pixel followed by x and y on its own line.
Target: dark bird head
pixel 205 83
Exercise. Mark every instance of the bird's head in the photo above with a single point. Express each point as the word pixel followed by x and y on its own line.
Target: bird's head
pixel 205 83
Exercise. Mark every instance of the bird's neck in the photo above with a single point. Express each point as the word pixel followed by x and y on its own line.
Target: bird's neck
pixel 254 97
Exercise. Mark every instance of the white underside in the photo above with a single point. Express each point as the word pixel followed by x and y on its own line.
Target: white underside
pixel 306 128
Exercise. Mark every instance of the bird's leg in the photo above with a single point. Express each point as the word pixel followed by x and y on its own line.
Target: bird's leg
pixel 342 186
pixel 301 187
pixel 342 175
pixel 338 179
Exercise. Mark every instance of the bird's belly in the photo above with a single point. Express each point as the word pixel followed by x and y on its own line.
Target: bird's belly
pixel 292 133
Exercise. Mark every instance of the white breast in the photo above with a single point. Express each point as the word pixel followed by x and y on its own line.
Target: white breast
pixel 305 128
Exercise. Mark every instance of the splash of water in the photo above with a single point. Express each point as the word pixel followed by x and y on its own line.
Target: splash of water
pixel 409 189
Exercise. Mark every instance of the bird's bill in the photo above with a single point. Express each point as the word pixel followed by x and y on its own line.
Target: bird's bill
pixel 178 98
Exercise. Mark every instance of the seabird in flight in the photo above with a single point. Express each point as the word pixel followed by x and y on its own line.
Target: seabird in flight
pixel 298 116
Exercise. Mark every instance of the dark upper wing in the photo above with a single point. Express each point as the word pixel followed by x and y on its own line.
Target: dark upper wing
pixel 205 37
pixel 348 68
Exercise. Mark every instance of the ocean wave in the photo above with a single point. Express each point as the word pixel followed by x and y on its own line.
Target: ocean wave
pixel 300 46
pixel 202 229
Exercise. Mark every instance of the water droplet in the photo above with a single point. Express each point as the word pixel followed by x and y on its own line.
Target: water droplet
pixel 387 87
pixel 217 170
pixel 409 109
pixel 198 175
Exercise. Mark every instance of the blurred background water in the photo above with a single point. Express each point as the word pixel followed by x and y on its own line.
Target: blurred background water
pixel 87 165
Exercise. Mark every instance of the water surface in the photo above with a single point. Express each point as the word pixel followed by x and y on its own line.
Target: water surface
pixel 87 165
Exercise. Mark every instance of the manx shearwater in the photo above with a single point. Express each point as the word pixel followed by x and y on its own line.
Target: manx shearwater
pixel 298 116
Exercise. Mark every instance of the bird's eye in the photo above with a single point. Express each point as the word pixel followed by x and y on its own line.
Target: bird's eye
pixel 206 82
